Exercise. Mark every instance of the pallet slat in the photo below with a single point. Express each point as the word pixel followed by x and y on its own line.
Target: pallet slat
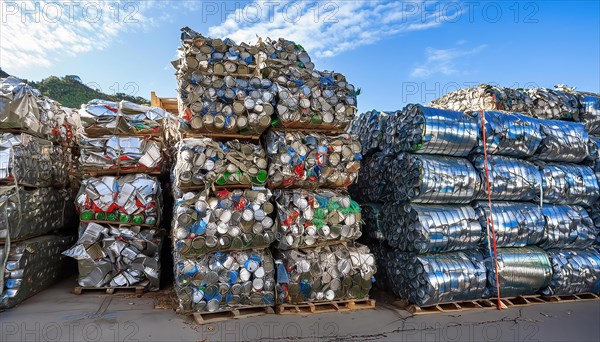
pixel 244 312
pixel 326 306
pixel 109 290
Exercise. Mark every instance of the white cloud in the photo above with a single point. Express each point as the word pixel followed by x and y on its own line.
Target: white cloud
pixel 443 61
pixel 327 29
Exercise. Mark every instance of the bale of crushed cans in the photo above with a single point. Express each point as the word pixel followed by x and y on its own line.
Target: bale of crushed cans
pixel 569 184
pixel 567 226
pixel 31 266
pixel 207 222
pixel 202 162
pixel 223 281
pixel 130 199
pixel 369 128
pixel 101 117
pixel 510 179
pixel 120 155
pixel 28 212
pixel 324 273
pixel 574 271
pixel 372 182
pixel 113 255
pixel 509 134
pixel 563 141
pixel 313 218
pixel 312 160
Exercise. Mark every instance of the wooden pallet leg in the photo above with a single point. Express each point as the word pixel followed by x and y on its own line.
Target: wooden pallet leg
pixel 269 310
pixel 110 290
pixel 77 290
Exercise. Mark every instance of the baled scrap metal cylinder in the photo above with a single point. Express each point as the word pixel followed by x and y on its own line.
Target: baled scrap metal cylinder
pixel 369 127
pixel 372 181
pixel 574 271
pixel 569 184
pixel 509 134
pixel 510 179
pixel 120 154
pixel 563 141
pixel 567 226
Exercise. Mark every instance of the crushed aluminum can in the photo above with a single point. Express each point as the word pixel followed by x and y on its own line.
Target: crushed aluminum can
pixel 574 271
pixel 202 162
pixel 32 266
pixel 431 228
pixel 563 142
pixel 569 184
pixel 32 161
pixel 324 273
pixel 224 281
pixel 369 127
pixel 510 179
pixel 521 271
pixel 510 134
pixel 115 256
pixel 224 220
pixel 553 104
pixel 312 160
pixel 309 219
pixel 567 226
pixel 516 224
pixel 121 154
pixel 132 199
pixel 101 117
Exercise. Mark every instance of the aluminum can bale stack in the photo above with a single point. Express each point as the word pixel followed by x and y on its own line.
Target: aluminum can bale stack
pixel 373 216
pixel 511 179
pixel 309 219
pixel 371 184
pixel 430 279
pixel 31 161
pixel 111 255
pixel 589 111
pixel 206 222
pixel 569 184
pixel 200 162
pixel 517 224
pixel 567 226
pixel 131 199
pixel 32 266
pixel 324 273
pixel 369 127
pixel 521 271
pixel 432 179
pixel 510 134
pixel 26 213
pixel 312 160
pixel 430 130
pixel 101 117
pixel 563 142
pixel 553 104
pixel 121 154
pixel 431 228
pixel 223 281
pixel 574 271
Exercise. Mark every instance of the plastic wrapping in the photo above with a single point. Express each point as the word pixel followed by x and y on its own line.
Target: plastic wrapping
pixel 574 271
pixel 567 226
pixel 225 281
pixel 569 184
pixel 517 224
pixel 438 278
pixel 113 256
pixel 372 181
pixel 521 271
pixel 431 228
pixel 510 134
pixel 101 117
pixel 32 266
pixel 563 142
pixel 32 161
pixel 369 127
pixel 312 160
pixel 324 273
pixel 225 220
pixel 133 199
pixel 119 154
pixel 308 219
pixel 201 162
pixel 429 130
pixel 510 179
pixel 30 212
pixel 432 179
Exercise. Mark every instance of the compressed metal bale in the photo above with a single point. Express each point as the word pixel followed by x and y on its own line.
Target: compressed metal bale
pixel 574 271
pixel 509 134
pixel 373 215
pixel 324 273
pixel 429 130
pixel 205 222
pixel 516 224
pixel 431 228
pixel 32 266
pixel 431 179
pixel 562 142
pixel 371 184
pixel 121 154
pixel 369 127
pixel 18 106
pixel 485 97
pixel 65 123
pixel 110 255
pixel 102 117
pixel 553 104
pixel 569 184
pixel 510 179
pixel 389 268
pixel 567 226
pixel 312 218
pixel 223 281
pixel 589 111
pixel 521 271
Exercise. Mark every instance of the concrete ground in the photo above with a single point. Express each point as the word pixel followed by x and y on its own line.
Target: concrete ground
pixel 58 315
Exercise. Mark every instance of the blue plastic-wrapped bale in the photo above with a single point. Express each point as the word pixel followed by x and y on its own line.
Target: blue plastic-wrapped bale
pixel 510 134
pixel 563 141
pixel 517 224
pixel 511 179
pixel 429 130
pixel 567 226
pixel 574 271
pixel 569 184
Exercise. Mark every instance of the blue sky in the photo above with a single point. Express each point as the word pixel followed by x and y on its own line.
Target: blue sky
pixel 397 52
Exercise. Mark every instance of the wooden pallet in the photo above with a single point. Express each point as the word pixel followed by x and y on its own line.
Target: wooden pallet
pixel 326 306
pixel 220 136
pixel 245 312
pixel 110 290
pixel 95 172
pixel 144 225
